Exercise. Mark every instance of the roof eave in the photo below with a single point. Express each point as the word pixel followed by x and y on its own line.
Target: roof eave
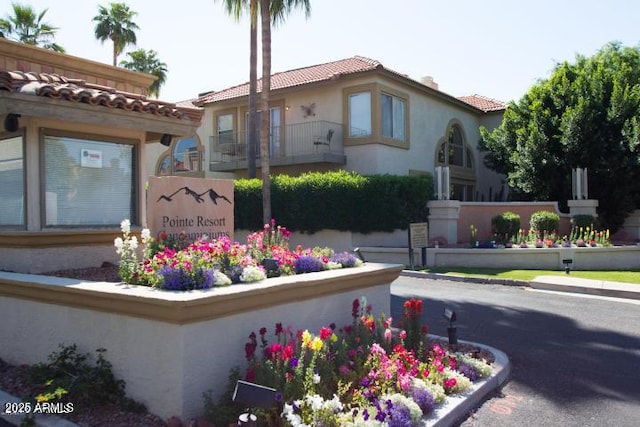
pixel 29 105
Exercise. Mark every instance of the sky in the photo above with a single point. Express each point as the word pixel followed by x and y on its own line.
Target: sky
pixel 494 48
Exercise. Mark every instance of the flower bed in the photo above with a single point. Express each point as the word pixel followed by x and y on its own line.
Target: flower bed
pixel 365 373
pixel 180 265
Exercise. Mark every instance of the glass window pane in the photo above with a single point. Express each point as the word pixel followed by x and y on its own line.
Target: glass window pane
pixel 225 129
pixel 12 181
pixel 360 114
pixel 393 116
pixel 186 155
pixel 88 182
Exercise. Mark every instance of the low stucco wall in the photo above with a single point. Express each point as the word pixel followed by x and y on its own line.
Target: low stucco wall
pixel 597 258
pixel 171 347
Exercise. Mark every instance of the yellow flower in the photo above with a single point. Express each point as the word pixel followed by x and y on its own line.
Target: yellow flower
pixel 316 344
pixel 334 338
pixel 306 338
pixel 42 398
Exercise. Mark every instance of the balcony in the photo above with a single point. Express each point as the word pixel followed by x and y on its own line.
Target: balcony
pixel 294 144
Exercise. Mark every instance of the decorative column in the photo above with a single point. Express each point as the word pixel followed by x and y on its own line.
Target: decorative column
pixel 581 204
pixel 443 220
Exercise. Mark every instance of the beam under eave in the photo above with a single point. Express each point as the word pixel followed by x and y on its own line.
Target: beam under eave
pixel 46 108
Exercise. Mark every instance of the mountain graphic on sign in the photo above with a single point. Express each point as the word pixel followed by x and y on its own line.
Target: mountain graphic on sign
pixel 196 196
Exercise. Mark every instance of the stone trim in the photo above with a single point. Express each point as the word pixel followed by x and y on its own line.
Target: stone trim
pixel 195 306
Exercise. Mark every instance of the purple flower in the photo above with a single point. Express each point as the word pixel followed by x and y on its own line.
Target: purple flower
pixel 399 416
pixel 307 264
pixel 424 399
pixel 293 362
pixel 468 371
pixel 345 259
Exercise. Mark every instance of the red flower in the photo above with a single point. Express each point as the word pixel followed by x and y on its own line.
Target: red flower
pixel 251 375
pixel 355 308
pixel 263 331
pixel 325 333
pixel 288 352
pixel 278 328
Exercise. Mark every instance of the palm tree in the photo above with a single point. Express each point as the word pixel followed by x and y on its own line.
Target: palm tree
pixel 116 24
pixel 270 11
pixel 235 8
pixel 147 62
pixel 26 26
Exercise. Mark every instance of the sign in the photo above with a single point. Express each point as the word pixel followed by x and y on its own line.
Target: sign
pixel 192 206
pixel 90 158
pixel 419 233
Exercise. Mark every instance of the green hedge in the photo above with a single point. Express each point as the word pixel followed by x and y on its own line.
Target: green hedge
pixel 544 222
pixel 344 201
pixel 505 226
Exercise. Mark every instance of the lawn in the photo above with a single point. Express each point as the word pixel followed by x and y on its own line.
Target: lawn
pixel 527 275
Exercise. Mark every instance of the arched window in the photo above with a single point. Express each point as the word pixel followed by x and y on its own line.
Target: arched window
pixel 454 152
pixel 183 157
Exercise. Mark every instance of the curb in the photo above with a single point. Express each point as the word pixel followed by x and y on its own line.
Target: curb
pixel 459 407
pixel 451 278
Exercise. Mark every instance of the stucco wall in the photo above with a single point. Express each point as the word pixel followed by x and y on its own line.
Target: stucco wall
pixel 171 347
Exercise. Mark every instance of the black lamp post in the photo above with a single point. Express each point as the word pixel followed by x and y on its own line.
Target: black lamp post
pixel 452 331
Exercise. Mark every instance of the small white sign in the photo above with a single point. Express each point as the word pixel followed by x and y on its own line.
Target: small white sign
pixel 90 158
pixel 419 234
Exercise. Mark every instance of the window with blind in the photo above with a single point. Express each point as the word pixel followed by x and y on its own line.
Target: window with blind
pixel 88 182
pixel 12 181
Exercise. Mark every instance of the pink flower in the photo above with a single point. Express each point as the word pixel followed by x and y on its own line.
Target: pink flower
pixel 387 335
pixel 325 333
pixel 403 334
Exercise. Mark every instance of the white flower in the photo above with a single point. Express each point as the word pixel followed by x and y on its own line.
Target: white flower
pixel 316 379
pixel 133 243
pixel 221 279
pixel 125 226
pixel 332 265
pixel 145 235
pixel 251 273
pixel 118 243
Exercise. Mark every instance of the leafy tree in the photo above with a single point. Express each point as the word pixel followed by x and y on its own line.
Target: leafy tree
pixel 146 61
pixel 115 24
pixel 26 26
pixel 585 115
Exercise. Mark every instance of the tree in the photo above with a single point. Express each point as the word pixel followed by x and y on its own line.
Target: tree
pixel 26 26
pixel 271 11
pixel 235 8
pixel 585 115
pixel 147 62
pixel 116 24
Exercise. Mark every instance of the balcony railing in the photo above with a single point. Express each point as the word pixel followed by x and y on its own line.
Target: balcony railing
pixel 295 143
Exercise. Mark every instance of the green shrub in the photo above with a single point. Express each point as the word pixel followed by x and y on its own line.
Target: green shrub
pixel 544 222
pixel 82 379
pixel 583 221
pixel 505 226
pixel 343 201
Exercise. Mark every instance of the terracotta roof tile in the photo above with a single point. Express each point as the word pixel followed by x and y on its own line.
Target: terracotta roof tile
pixel 76 90
pixel 297 77
pixel 483 103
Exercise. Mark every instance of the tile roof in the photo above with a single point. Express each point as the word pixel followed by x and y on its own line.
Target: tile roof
pixel 55 86
pixel 332 71
pixel 300 76
pixel 483 103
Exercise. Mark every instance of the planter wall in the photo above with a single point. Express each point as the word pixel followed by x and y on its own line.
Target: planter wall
pixel 597 258
pixel 171 347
